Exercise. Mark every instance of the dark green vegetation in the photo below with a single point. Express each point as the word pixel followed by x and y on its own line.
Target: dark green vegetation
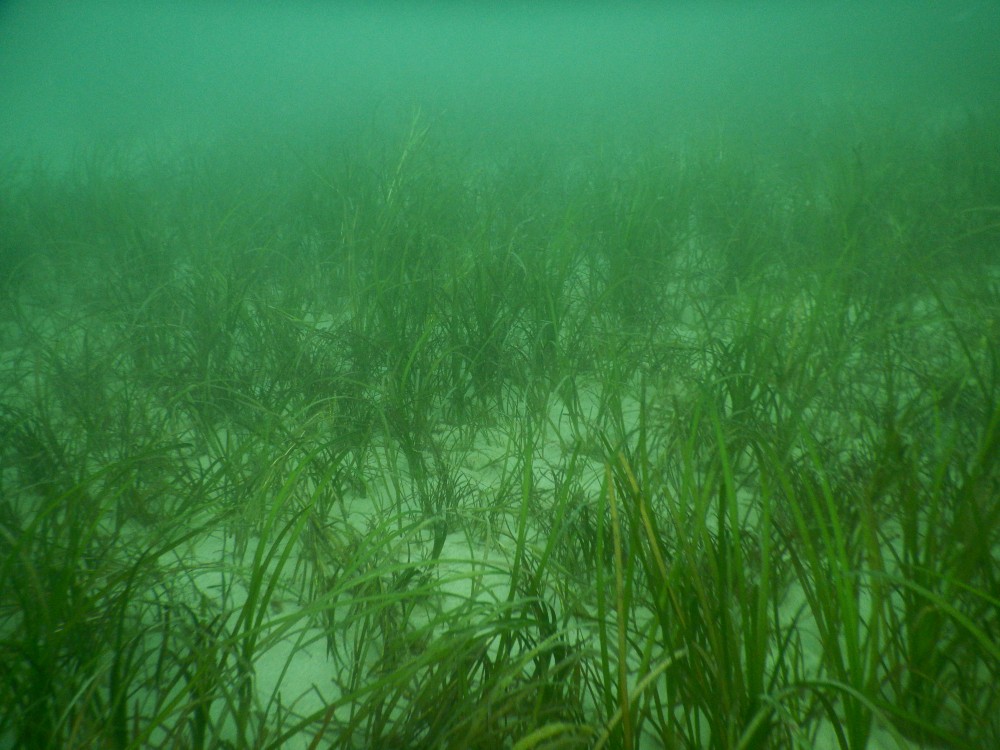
pixel 399 446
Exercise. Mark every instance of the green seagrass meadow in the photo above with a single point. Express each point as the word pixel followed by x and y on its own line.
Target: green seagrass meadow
pixel 396 440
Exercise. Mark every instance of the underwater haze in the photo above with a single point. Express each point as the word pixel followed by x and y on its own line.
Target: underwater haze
pixel 499 376
pixel 128 73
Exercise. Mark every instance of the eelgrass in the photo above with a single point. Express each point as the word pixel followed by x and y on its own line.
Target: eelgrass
pixel 658 455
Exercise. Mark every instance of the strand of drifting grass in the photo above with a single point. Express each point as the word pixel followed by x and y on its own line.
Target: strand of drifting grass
pixel 527 440
pixel 739 644
pixel 423 679
pixel 757 629
pixel 621 713
pixel 833 601
pixel 618 559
